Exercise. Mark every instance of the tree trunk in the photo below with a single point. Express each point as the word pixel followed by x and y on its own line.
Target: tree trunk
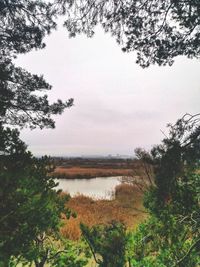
pixel 39 264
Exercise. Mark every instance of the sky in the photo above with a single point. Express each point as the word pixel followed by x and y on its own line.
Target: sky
pixel 118 106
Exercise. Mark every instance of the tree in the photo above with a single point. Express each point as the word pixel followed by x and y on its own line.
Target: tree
pixel 142 175
pixel 23 25
pixel 107 243
pixel 163 243
pixel 171 236
pixel 51 248
pixel 176 162
pixel 157 30
pixel 19 103
pixel 29 205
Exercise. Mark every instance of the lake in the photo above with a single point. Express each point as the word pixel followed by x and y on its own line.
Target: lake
pixel 99 187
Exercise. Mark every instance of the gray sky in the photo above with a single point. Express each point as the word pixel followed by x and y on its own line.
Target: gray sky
pixel 118 105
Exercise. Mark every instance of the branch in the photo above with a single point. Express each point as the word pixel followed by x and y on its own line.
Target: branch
pixel 187 254
pixel 56 254
pixel 93 252
pixel 164 20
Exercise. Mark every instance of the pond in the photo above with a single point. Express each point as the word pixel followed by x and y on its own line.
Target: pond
pixel 99 187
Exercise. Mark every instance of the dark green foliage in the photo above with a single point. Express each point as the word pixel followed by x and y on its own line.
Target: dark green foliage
pixel 176 162
pixel 171 236
pixel 73 255
pixel 51 248
pixel 107 243
pixel 30 207
pixel 28 204
pixel 163 242
pixel 157 30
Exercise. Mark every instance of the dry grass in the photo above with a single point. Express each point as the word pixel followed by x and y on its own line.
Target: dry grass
pixel 129 196
pixel 126 207
pixel 81 172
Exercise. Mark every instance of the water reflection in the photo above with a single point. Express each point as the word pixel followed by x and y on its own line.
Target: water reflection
pixel 99 187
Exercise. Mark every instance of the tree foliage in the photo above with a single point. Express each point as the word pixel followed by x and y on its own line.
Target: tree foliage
pixel 20 104
pixel 107 243
pixel 50 248
pixel 142 175
pixel 171 236
pixel 157 30
pixel 30 208
pixel 23 26
pixel 176 162
pixel 29 205
pixel 163 242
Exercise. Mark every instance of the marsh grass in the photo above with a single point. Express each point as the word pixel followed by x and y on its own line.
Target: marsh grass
pixel 88 173
pixel 126 207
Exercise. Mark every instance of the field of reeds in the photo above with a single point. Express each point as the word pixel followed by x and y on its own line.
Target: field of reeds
pixel 88 173
pixel 78 168
pixel 125 206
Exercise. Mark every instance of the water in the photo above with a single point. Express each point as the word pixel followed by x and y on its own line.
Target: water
pixel 100 187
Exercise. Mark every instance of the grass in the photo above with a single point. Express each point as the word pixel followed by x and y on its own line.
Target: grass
pixel 84 172
pixel 126 207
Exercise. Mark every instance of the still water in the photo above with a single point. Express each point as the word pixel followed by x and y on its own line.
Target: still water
pixel 100 187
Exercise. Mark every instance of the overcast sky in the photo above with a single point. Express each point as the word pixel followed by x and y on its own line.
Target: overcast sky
pixel 118 105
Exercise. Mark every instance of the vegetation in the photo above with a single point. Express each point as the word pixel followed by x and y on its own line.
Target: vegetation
pixel 23 27
pixel 31 211
pixel 29 206
pixel 88 173
pixel 108 162
pixel 170 236
pixel 125 207
pixel 157 30
pixel 86 168
pixel 109 242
